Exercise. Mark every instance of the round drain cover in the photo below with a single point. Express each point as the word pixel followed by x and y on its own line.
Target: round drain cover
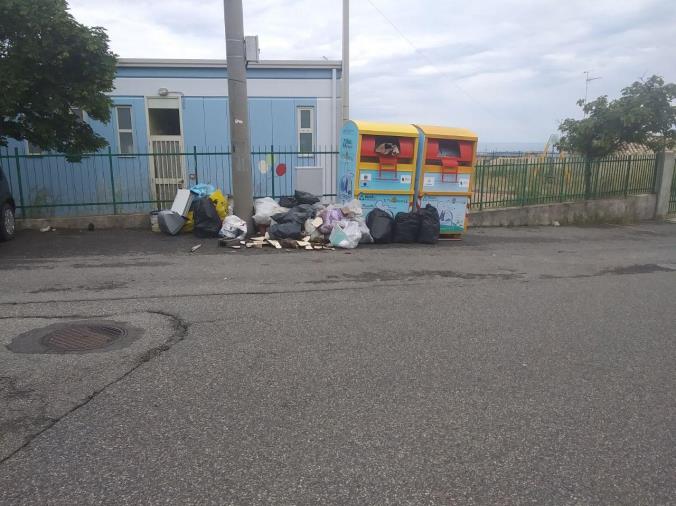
pixel 82 337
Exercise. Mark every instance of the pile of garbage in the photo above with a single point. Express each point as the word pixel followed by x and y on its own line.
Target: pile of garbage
pixel 202 210
pixel 305 219
pixel 301 221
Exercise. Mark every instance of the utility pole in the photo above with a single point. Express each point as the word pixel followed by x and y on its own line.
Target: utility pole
pixel 242 187
pixel 345 77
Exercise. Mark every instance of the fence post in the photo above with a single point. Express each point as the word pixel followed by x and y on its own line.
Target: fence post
pixel 18 177
pixel 112 179
pixel 665 172
pixel 194 155
pixel 562 164
pixel 524 194
pixel 626 177
pixel 272 168
pixel 481 185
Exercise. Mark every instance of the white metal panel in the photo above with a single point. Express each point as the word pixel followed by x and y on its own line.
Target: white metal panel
pixel 251 48
pixel 324 141
pixel 292 88
pixel 163 103
pixel 310 179
pixel 323 123
pixel 214 63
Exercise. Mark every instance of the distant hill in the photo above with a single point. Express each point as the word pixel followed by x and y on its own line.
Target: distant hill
pixel 507 147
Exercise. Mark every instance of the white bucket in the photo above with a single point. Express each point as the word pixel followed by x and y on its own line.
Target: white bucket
pixel 154 224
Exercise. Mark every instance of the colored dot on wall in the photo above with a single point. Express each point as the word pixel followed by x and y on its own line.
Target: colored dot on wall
pixel 281 169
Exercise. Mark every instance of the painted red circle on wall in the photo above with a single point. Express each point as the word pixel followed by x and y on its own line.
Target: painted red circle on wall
pixel 281 169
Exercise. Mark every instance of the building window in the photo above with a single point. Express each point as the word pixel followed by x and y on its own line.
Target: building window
pixel 306 129
pixel 125 132
pixel 78 112
pixel 164 121
pixel 33 149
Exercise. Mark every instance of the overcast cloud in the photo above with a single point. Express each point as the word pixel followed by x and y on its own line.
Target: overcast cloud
pixel 510 70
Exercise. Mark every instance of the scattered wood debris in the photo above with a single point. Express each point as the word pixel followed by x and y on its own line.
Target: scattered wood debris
pixel 260 242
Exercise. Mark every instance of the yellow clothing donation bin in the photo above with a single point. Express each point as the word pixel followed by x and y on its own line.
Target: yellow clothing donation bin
pixel 377 165
pixel 445 174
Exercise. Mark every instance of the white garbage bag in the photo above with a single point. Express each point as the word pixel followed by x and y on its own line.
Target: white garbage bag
pixel 345 234
pixel 352 209
pixel 233 228
pixel 264 208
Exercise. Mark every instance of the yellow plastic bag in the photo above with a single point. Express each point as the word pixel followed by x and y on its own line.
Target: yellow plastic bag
pixel 189 223
pixel 220 202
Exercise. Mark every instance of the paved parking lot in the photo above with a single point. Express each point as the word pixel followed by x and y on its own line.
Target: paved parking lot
pixel 519 365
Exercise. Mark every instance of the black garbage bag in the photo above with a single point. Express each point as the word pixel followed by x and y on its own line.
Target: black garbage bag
pixel 305 197
pixel 406 227
pixel 307 209
pixel 297 214
pixel 290 230
pixel 430 225
pixel 288 202
pixel 381 225
pixel 207 221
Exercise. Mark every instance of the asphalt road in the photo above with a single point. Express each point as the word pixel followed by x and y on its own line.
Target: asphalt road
pixel 529 365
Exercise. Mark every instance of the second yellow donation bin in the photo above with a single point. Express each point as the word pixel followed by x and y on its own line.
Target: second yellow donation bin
pixel 445 174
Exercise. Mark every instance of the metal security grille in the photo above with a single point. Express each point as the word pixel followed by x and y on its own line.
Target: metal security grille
pixel 168 167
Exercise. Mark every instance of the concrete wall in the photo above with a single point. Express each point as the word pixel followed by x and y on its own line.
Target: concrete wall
pixel 118 221
pixel 632 209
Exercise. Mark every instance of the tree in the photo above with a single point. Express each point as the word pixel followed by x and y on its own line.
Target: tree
pixel 648 114
pixel 597 135
pixel 49 65
pixel 643 114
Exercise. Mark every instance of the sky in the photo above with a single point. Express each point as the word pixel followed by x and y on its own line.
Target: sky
pixel 509 70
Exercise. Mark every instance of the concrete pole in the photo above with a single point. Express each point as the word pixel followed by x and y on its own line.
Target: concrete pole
pixel 665 172
pixel 345 78
pixel 242 187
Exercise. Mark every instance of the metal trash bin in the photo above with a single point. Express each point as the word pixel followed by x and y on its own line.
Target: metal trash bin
pixel 445 174
pixel 377 165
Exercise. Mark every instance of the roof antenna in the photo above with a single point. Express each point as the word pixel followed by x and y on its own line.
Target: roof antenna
pixel 587 79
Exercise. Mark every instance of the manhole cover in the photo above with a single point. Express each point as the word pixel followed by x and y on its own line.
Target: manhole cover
pixel 82 337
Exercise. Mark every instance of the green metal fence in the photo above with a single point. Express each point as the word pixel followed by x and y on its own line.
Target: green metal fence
pixel 109 183
pixel 510 182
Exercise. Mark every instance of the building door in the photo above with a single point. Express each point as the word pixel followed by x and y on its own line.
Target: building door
pixel 165 136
